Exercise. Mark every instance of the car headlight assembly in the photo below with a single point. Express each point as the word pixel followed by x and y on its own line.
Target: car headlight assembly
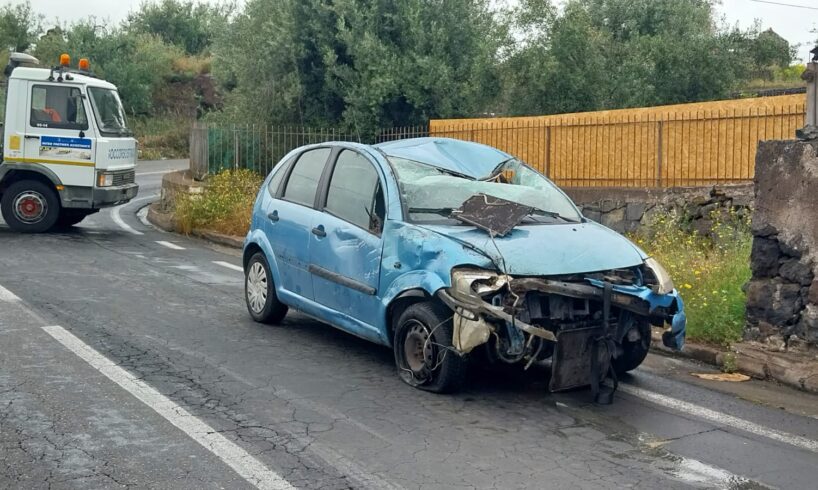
pixel 664 284
pixel 471 284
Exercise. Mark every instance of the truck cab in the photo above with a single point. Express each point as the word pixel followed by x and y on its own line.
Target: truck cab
pixel 67 148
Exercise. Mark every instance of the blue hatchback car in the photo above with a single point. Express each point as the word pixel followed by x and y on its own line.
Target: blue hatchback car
pixel 453 252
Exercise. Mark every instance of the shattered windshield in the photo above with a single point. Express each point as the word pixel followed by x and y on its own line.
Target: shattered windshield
pixel 431 193
pixel 109 112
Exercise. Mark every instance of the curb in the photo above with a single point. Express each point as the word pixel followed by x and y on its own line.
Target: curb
pixel 165 222
pixel 795 370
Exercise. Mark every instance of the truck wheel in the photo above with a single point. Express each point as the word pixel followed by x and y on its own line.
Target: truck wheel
pixel 423 349
pixel 260 292
pixel 30 206
pixel 70 217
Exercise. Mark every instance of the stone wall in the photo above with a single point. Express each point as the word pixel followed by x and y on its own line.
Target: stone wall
pixel 782 296
pixel 625 210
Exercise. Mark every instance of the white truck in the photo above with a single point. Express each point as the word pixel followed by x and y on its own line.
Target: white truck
pixel 67 149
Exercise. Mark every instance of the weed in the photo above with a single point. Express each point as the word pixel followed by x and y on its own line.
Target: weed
pixel 708 270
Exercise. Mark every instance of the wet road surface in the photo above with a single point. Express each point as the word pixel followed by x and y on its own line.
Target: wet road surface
pixel 127 358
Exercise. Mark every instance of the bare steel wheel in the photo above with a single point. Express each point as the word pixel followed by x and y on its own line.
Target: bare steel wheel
pixel 30 206
pixel 259 292
pixel 423 349
pixel 417 349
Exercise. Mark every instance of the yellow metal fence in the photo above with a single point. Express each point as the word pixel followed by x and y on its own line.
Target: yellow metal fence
pixel 668 146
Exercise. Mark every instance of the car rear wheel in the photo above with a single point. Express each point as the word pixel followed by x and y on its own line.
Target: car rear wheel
pixel 423 349
pixel 30 206
pixel 259 292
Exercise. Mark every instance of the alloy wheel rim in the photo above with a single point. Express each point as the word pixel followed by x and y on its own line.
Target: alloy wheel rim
pixel 30 207
pixel 257 287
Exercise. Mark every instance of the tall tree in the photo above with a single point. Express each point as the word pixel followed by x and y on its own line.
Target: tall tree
pixel 363 64
pixel 183 23
pixel 19 26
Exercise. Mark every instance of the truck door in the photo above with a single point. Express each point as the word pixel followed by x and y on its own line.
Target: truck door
pixel 58 134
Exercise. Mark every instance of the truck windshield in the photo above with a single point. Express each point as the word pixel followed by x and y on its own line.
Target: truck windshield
pixel 109 112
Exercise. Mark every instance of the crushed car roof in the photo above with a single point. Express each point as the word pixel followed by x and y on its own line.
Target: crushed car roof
pixel 464 157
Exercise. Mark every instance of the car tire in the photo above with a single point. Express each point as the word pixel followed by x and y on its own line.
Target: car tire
pixel 30 206
pixel 70 217
pixel 633 354
pixel 260 293
pixel 423 335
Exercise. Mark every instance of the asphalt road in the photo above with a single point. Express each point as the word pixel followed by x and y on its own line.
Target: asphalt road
pixel 127 358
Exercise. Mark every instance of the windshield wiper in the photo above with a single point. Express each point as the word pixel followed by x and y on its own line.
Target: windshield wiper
pixel 554 214
pixel 447 212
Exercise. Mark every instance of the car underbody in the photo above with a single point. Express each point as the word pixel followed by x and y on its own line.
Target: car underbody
pixel 585 326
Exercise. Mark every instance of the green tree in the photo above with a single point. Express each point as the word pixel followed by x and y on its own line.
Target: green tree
pixel 184 23
pixel 19 26
pixel 363 64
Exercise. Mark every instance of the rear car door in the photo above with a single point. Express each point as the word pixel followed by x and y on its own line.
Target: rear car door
pixel 346 245
pixel 58 134
pixel 288 220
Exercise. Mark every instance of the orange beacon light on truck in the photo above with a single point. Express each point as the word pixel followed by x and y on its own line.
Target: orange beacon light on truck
pixel 65 60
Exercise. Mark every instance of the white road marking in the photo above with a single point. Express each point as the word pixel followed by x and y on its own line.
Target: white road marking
pixel 7 296
pixel 721 418
pixel 228 265
pixel 169 245
pixel 248 467
pixel 118 220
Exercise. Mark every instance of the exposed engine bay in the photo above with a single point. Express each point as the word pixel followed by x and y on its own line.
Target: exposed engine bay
pixel 586 326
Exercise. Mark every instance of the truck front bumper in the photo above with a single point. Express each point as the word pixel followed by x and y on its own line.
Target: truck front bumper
pixel 97 197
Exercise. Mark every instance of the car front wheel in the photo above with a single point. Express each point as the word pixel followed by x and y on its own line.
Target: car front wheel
pixel 259 292
pixel 423 349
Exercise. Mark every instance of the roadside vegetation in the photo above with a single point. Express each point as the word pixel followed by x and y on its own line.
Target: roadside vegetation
pixel 225 206
pixel 709 270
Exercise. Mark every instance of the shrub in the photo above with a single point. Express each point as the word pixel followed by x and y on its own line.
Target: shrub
pixel 225 205
pixel 709 271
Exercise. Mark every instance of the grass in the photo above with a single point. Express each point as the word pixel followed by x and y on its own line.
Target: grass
pixel 225 206
pixel 162 137
pixel 709 271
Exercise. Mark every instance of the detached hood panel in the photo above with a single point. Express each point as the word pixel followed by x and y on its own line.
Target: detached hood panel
pixel 547 250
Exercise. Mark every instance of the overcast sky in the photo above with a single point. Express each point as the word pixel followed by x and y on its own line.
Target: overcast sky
pixel 792 23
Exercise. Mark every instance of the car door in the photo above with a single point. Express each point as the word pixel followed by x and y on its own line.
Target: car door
pixel 289 215
pixel 58 134
pixel 346 245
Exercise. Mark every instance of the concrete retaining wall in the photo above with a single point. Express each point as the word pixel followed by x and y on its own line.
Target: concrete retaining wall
pixel 625 210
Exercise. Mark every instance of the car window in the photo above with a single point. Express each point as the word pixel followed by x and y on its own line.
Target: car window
pixel 355 193
pixel 279 171
pixel 57 107
pixel 303 181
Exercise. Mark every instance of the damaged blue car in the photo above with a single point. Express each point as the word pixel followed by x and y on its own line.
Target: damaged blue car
pixel 449 252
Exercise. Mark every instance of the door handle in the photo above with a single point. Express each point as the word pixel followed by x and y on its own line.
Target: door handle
pixel 273 216
pixel 32 137
pixel 319 231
